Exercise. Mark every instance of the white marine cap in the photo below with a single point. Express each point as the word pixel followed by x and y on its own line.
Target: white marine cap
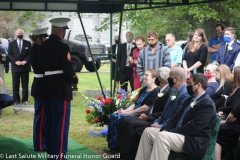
pixel 40 31
pixel 60 22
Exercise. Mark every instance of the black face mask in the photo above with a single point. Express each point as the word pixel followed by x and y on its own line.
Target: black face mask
pixel 152 45
pixel 190 90
pixel 20 36
pixel 116 41
pixel 170 82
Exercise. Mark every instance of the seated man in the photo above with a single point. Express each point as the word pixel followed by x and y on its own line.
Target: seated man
pixel 5 100
pixel 188 131
pixel 128 137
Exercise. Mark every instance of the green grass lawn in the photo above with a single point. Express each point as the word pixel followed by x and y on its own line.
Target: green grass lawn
pixel 20 125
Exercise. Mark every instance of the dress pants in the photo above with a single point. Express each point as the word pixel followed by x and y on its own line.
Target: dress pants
pixel 57 126
pixel 126 76
pixel 24 76
pixel 5 100
pixel 39 141
pixel 127 137
pixel 156 145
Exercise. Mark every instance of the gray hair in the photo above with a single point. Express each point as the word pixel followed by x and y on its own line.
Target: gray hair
pixel 20 30
pixel 163 72
pixel 213 66
pixel 180 73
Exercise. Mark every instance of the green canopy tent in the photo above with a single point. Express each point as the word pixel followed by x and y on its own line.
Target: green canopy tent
pixel 94 6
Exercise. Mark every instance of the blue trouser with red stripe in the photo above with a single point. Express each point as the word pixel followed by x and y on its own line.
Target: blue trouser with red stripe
pixel 39 140
pixel 57 126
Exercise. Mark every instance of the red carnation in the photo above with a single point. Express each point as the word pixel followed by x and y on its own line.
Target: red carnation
pixel 108 101
pixel 99 98
pixel 96 119
pixel 88 111
pixel 119 96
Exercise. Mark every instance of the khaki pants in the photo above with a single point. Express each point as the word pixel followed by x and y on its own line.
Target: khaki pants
pixel 156 145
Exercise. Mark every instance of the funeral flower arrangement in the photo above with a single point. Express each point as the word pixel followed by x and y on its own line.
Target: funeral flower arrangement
pixel 98 109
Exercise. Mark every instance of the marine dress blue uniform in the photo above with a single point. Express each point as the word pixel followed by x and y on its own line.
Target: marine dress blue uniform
pixel 55 60
pixel 39 141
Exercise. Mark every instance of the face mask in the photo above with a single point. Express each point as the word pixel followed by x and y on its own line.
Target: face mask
pixel 190 90
pixel 129 39
pixel 227 38
pixel 219 34
pixel 208 75
pixel 116 41
pixel 190 37
pixel 152 45
pixel 20 36
pixel 146 84
pixel 170 82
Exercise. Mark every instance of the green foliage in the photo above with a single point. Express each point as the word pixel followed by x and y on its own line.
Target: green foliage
pixel 179 20
pixel 11 20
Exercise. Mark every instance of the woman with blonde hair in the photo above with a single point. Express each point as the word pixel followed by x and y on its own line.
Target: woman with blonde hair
pixel 226 85
pixel 196 53
pixel 230 128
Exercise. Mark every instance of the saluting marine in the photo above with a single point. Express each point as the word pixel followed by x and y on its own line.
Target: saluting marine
pixel 39 142
pixel 55 60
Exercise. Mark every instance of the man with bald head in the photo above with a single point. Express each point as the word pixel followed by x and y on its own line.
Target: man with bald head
pixel 176 52
pixel 18 53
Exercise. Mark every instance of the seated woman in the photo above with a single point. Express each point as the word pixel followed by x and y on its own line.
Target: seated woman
pixel 230 128
pixel 226 85
pixel 211 76
pixel 145 99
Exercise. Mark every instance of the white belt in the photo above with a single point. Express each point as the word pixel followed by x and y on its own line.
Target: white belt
pixel 47 73
pixel 38 75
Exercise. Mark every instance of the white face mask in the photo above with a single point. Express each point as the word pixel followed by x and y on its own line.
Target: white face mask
pixel 146 84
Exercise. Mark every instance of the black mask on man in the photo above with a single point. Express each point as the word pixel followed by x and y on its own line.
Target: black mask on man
pixel 20 36
pixel 170 82
pixel 190 90
pixel 152 45
pixel 116 41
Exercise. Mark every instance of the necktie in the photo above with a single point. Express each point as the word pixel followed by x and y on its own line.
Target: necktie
pixel 128 50
pixel 20 47
pixel 226 50
pixel 183 115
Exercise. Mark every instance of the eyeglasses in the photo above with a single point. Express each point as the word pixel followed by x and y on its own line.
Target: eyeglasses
pixel 167 40
pixel 146 75
pixel 207 70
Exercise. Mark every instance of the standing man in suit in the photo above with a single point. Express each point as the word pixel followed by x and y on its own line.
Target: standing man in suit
pixel 228 51
pixel 125 69
pixel 55 61
pixel 188 131
pixel 18 53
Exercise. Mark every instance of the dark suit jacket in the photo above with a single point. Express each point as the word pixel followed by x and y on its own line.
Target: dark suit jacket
pixel 231 56
pixel 123 56
pixel 197 125
pixel 173 106
pixel 159 104
pixel 14 55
